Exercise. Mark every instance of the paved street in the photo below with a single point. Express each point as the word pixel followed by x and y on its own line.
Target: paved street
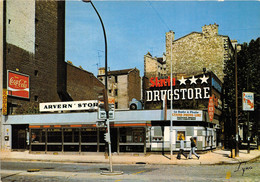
pixel 17 171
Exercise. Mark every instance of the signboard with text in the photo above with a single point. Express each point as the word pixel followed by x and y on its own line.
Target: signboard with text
pixel 69 106
pixel 4 104
pixel 187 115
pixel 192 88
pixel 102 113
pixel 18 84
pixel 211 108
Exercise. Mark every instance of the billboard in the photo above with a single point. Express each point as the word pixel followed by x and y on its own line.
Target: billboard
pixel 248 101
pixel 18 84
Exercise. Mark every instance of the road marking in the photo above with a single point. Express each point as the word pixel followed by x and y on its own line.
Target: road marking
pixel 228 175
pixel 138 172
pixel 118 180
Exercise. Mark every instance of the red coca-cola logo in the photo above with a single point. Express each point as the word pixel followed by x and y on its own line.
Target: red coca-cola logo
pixel 18 85
pixel 17 82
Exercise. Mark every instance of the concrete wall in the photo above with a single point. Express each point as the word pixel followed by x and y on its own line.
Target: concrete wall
pixel 20 24
pixel 123 95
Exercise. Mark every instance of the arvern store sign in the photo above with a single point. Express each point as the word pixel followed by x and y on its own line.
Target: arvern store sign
pixel 69 106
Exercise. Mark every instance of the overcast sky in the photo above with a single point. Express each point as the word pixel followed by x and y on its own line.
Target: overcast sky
pixel 135 27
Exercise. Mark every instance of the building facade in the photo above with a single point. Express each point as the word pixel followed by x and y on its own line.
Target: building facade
pixel 33 69
pixel 123 85
pixel 197 50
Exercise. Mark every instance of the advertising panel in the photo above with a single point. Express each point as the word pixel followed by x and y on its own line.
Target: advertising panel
pixel 4 106
pixel 18 84
pixel 211 108
pixel 187 115
pixel 248 101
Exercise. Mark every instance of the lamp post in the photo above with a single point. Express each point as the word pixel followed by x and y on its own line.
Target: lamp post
pixel 105 38
pixel 108 125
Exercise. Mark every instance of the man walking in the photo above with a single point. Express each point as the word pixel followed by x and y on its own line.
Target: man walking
pixel 181 149
pixel 192 150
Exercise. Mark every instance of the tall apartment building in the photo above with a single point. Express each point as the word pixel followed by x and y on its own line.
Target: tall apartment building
pixel 123 85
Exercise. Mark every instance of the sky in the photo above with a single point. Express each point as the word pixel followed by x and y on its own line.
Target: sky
pixel 134 28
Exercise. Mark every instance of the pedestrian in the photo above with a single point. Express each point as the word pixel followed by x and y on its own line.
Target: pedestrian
pixel 181 152
pixel 192 150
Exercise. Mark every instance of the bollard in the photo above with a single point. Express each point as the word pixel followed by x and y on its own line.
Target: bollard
pixel 233 153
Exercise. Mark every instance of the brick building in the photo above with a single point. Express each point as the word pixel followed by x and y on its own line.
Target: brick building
pixel 32 60
pixel 123 85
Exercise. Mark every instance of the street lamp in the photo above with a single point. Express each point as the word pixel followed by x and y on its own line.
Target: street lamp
pixel 108 125
pixel 105 38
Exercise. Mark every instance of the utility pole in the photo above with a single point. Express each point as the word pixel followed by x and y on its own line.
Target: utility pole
pixel 237 149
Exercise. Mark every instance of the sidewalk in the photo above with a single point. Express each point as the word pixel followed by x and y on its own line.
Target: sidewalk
pixel 215 157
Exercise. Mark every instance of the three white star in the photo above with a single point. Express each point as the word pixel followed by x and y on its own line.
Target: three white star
pixel 182 81
pixel 204 79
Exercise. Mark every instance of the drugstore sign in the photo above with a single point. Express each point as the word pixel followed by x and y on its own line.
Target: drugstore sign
pixel 18 84
pixel 188 89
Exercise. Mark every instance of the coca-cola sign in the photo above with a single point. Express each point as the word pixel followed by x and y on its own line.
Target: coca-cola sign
pixel 18 84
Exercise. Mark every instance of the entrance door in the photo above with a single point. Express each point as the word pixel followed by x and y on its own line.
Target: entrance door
pixel 19 136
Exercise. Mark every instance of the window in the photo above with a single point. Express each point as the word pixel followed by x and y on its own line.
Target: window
pixel 180 135
pixel 116 93
pixel 36 98
pixel 115 79
pixel 36 72
pixel 116 105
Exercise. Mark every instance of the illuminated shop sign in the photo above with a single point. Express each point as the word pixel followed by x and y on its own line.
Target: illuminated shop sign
pixel 69 106
pixel 197 88
pixel 18 84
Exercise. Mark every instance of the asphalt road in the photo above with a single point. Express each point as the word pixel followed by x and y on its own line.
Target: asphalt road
pixel 17 171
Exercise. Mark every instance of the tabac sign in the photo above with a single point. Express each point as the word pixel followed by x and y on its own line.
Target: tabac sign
pixel 18 84
pixel 183 89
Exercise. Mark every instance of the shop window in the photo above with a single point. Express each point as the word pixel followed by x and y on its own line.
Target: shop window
pixel 89 135
pixel 71 135
pixel 54 136
pixel 38 139
pixel 38 136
